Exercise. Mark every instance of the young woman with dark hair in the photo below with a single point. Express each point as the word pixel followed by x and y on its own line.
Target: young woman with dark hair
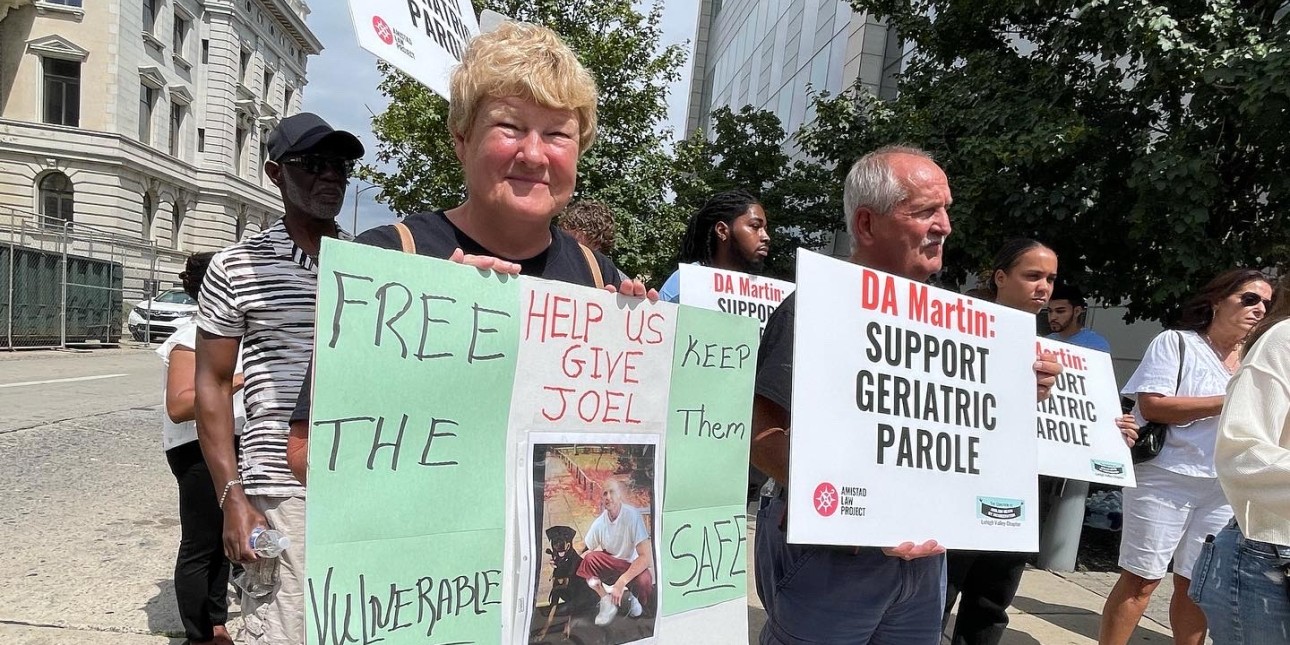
pixel 201 570
pixel 985 582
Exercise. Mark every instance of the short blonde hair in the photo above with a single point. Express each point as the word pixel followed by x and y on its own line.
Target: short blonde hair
pixel 526 61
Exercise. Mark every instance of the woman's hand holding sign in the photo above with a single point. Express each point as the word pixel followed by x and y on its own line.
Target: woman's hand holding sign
pixel 1046 370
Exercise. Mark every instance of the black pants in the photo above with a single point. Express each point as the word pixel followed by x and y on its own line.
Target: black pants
pixel 985 583
pixel 201 570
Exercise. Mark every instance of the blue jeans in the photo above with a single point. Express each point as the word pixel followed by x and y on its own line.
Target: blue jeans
pixel 843 595
pixel 1241 587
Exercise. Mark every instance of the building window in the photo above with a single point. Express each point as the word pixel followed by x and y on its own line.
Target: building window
pixel 57 200
pixel 241 226
pixel 177 224
pixel 264 156
pixel 148 210
pixel 201 139
pixel 149 15
pixel 147 99
pixel 62 92
pixel 176 127
pixel 239 151
pixel 244 64
pixel 286 100
pixel 268 83
pixel 206 51
pixel 181 36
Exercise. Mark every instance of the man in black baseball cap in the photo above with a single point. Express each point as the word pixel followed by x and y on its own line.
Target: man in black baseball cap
pixel 260 295
pixel 310 162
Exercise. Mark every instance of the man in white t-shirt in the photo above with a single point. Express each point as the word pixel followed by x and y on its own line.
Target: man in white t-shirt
pixel 619 557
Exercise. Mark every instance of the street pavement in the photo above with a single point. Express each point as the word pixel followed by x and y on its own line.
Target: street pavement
pixel 88 519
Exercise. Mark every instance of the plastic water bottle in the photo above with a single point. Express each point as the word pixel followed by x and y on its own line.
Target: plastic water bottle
pixel 268 543
pixel 259 578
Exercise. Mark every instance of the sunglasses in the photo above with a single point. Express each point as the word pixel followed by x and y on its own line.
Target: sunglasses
pixel 318 164
pixel 1249 299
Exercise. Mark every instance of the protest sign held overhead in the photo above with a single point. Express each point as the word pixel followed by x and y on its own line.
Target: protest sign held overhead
pixel 732 292
pixel 422 38
pixel 483 446
pixel 913 414
pixel 1078 438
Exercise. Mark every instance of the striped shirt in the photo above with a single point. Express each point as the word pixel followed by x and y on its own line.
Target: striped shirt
pixel 263 290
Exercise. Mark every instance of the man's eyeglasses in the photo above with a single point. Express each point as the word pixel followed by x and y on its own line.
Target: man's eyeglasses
pixel 318 164
pixel 1249 299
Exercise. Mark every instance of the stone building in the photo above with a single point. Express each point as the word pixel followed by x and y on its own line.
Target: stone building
pixel 146 119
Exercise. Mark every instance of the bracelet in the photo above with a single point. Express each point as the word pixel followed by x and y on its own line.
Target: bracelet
pixel 227 487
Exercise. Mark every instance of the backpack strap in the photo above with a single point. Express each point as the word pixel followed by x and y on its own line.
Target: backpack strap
pixel 1182 357
pixel 594 265
pixel 405 238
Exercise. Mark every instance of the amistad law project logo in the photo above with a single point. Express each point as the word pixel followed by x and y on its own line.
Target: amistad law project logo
pixel 383 30
pixel 391 36
pixel 1112 468
pixel 1000 510
pixel 825 499
pixel 829 500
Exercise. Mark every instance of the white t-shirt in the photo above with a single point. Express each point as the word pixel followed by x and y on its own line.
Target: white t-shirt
pixel 177 434
pixel 619 537
pixel 1189 448
pixel 1253 454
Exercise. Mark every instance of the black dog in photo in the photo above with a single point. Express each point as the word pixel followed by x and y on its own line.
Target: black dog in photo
pixel 567 587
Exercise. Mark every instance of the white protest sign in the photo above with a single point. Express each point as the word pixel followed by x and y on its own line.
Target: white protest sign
pixel 732 292
pixel 422 38
pixel 912 416
pixel 1078 438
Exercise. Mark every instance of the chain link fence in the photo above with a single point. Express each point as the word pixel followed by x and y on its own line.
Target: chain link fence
pixel 67 284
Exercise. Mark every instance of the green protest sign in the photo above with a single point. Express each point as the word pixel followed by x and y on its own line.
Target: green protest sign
pixel 468 426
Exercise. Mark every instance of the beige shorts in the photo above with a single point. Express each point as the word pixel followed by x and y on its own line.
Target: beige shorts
pixel 279 618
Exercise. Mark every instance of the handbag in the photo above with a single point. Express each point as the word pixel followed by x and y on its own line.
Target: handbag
pixel 1151 437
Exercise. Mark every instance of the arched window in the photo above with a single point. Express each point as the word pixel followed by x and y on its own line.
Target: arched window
pixel 57 200
pixel 149 209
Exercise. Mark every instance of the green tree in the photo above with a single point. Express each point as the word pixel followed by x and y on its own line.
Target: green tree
pixel 747 150
pixel 1140 138
pixel 628 168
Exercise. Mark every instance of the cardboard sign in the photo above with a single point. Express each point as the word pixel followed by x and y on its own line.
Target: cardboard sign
pixel 913 414
pixel 422 38
pixel 479 443
pixel 1078 438
pixel 732 292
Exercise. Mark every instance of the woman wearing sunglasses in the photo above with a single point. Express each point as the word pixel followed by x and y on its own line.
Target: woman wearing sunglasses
pixel 1243 575
pixel 1181 381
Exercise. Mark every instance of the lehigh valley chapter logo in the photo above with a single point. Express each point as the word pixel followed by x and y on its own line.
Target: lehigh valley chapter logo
pixel 1112 468
pixel 1000 508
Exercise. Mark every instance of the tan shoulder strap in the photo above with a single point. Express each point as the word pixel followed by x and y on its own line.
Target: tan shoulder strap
pixel 405 238
pixel 593 265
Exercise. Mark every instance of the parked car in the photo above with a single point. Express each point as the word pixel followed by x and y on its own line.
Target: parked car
pixel 169 311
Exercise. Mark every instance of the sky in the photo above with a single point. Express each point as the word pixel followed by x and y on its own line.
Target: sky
pixel 343 84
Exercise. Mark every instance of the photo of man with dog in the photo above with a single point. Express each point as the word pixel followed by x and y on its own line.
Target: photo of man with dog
pixel 595 520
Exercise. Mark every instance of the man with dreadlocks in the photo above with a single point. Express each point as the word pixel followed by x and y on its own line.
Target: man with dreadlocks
pixel 730 232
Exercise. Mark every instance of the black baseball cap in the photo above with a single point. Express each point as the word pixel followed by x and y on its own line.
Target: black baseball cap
pixel 308 132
